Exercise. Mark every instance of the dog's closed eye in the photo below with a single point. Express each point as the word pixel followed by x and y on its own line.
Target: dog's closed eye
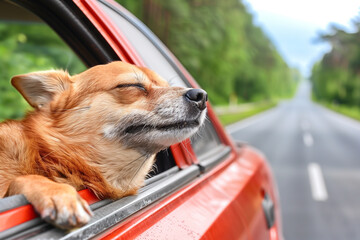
pixel 137 85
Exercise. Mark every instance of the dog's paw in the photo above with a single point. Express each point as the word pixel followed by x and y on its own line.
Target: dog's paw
pixel 63 207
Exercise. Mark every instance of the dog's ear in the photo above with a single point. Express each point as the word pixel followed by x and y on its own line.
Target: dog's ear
pixel 39 88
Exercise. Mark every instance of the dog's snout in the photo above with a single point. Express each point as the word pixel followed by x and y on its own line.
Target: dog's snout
pixel 197 96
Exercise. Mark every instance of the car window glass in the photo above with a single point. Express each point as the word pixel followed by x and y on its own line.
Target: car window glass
pixel 206 138
pixel 27 47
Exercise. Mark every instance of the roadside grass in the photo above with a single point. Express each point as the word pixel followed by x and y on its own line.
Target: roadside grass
pixel 233 116
pixel 353 112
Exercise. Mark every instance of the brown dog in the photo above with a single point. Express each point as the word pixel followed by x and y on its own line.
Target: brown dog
pixel 99 130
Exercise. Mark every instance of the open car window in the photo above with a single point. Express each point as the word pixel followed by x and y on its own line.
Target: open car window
pixel 149 47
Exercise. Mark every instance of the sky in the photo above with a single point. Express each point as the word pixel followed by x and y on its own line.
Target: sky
pixel 293 26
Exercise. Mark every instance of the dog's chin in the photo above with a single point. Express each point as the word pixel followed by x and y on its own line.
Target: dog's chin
pixel 164 135
pixel 169 127
pixel 169 136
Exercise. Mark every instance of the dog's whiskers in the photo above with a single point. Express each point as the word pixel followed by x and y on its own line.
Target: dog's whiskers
pixel 187 150
pixel 183 145
pixel 198 133
pixel 170 80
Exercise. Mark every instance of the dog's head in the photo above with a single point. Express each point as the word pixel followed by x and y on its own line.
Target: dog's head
pixel 117 101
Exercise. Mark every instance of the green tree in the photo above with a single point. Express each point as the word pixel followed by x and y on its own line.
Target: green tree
pixel 336 78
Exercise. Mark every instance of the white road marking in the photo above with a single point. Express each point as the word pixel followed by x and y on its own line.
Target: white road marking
pixel 317 182
pixel 308 139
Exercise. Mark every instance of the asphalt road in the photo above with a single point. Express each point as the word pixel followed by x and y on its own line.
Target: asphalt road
pixel 315 157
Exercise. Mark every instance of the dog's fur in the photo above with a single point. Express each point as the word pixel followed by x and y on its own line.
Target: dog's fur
pixel 98 130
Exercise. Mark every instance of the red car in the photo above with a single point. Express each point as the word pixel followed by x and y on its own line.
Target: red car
pixel 208 188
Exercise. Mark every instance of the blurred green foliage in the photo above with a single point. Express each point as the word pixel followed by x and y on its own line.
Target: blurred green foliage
pixel 216 41
pixel 336 78
pixel 26 48
pixel 230 57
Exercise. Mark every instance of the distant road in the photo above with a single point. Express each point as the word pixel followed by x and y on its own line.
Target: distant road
pixel 315 157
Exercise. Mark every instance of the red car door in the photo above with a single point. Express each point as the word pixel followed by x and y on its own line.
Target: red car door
pixel 209 188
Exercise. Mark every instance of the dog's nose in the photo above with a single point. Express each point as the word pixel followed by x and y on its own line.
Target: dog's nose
pixel 197 96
